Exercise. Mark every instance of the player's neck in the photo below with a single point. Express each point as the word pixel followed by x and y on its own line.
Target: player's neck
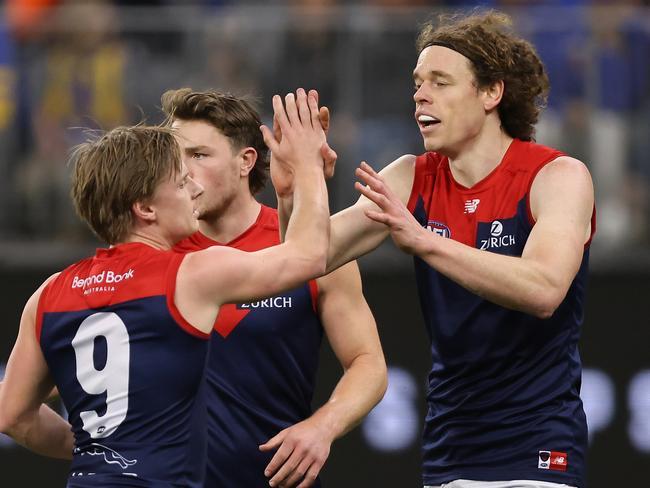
pixel 479 157
pixel 234 221
pixel 151 239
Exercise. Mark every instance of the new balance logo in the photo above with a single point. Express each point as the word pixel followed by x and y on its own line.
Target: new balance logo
pixel 471 205
pixel 553 460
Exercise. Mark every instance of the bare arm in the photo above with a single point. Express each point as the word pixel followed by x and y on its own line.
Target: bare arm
pixel 536 283
pixel 219 275
pixel 302 449
pixel 352 233
pixel 26 385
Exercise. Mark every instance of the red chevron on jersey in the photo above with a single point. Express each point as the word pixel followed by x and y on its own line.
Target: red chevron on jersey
pixel 263 233
pixel 228 318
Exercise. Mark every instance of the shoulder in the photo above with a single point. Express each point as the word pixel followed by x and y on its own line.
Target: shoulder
pixel 563 168
pixel 401 167
pixel 198 261
pixel 399 176
pixel 32 304
pixel 562 184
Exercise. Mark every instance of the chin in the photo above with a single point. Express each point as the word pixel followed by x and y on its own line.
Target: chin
pixel 430 145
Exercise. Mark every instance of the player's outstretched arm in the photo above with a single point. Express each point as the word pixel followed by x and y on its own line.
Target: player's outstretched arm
pixel 302 449
pixel 26 385
pixel 353 234
pixel 223 275
pixel 561 201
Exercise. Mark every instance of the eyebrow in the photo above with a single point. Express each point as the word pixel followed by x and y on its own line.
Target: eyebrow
pixel 192 149
pixel 434 74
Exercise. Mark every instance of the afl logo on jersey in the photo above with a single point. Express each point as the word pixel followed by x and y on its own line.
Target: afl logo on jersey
pixel 439 228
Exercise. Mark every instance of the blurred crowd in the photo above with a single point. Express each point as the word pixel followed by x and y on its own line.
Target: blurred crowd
pixel 70 66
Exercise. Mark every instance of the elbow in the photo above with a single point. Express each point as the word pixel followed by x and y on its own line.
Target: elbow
pixel 543 312
pixel 313 267
pixel 6 420
pixel 321 265
pixel 545 304
pixel 318 263
pixel 383 385
pixel 381 378
pixel 8 424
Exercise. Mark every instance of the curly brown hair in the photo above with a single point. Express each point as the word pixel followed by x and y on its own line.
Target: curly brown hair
pixel 115 170
pixel 495 53
pixel 234 117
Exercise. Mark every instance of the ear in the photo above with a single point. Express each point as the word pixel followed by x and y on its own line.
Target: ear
pixel 493 95
pixel 144 211
pixel 248 158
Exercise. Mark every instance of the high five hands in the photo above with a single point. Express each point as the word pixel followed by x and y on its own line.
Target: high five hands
pixel 299 110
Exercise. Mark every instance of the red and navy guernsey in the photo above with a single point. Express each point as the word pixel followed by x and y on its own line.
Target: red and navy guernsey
pixel 129 369
pixel 261 367
pixel 503 393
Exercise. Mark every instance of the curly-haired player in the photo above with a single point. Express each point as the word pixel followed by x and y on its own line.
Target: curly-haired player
pixel 500 229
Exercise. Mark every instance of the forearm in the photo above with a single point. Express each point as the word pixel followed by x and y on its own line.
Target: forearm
pixel 45 432
pixel 360 388
pixel 308 228
pixel 352 235
pixel 512 282
pixel 285 209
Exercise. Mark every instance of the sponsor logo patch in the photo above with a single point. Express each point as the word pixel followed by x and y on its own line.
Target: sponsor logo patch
pixel 103 281
pixel 274 302
pixel 497 236
pixel 553 460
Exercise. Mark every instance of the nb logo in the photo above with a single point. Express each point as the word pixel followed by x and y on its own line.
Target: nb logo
pixel 471 205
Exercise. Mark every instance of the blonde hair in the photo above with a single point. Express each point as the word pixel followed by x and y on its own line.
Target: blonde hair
pixel 118 169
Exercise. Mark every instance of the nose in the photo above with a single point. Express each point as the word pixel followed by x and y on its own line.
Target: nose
pixel 421 95
pixel 196 188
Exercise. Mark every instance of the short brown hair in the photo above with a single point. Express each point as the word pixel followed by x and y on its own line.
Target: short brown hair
pixel 118 169
pixel 234 117
pixel 495 53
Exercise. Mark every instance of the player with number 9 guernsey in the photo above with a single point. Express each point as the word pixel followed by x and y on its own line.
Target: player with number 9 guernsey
pixel 123 334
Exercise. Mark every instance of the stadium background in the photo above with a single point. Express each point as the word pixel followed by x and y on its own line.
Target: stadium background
pixel 68 65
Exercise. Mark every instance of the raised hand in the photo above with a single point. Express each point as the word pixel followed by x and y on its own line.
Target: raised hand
pixel 281 172
pixel 407 233
pixel 302 134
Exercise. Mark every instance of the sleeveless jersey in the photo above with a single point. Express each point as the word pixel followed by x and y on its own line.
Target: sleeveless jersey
pixel 129 369
pixel 261 368
pixel 503 394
